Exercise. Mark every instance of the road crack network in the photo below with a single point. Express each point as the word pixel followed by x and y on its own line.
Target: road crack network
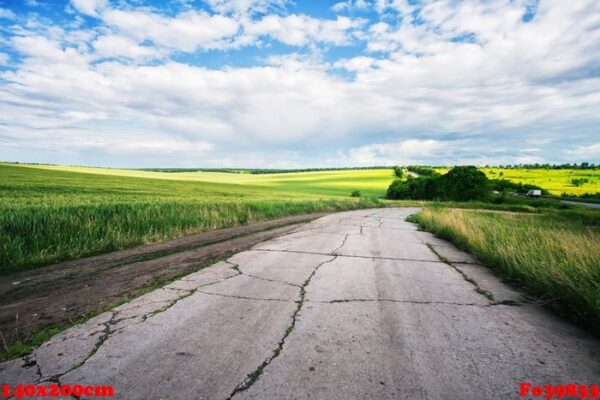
pixel 252 377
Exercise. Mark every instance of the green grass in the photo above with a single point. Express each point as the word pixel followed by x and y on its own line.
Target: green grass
pixel 555 255
pixel 50 214
pixel 556 181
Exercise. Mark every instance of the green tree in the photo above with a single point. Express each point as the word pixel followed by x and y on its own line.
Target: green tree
pixel 465 183
pixel 399 172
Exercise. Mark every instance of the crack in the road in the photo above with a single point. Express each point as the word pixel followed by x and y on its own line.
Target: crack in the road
pixel 107 332
pixel 272 280
pixel 341 245
pixel 233 296
pixel 252 377
pixel 384 300
pixel 485 293
pixel 236 267
pixel 349 256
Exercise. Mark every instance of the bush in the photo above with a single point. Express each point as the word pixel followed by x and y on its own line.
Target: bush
pixel 459 184
pixel 421 188
pixel 355 193
pixel 579 182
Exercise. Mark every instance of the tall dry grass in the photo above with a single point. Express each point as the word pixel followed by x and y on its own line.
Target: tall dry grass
pixel 555 256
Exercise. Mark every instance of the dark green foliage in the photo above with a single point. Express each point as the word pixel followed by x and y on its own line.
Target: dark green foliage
pixel 355 193
pixel 421 188
pixel 399 172
pixel 464 183
pixel 579 182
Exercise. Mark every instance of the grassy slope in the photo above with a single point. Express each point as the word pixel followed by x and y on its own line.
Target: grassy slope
pixel 554 255
pixel 372 182
pixel 50 214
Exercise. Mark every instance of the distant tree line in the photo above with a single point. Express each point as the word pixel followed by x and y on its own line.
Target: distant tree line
pixel 583 165
pixel 257 171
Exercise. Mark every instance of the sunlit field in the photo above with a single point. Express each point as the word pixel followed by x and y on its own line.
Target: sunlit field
pixel 556 181
pixel 370 182
pixel 49 214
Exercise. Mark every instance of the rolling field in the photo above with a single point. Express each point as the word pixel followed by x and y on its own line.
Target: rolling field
pixel 55 213
pixel 370 182
pixel 556 181
pixel 49 214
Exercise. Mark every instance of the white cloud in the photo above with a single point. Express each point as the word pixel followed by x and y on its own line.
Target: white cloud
pixel 4 58
pixel 399 153
pixel 5 13
pixel 356 64
pixel 592 151
pixel 299 30
pixel 350 5
pixel 89 7
pixel 517 85
pixel 246 6
pixel 118 46
pixel 187 31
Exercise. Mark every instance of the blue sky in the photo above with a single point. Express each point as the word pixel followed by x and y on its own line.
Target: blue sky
pixel 276 83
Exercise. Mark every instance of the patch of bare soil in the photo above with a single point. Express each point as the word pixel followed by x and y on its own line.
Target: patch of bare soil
pixel 54 295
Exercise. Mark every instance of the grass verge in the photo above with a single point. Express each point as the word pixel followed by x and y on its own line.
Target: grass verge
pixel 554 255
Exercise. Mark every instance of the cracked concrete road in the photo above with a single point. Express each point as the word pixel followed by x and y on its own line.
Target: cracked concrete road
pixel 354 305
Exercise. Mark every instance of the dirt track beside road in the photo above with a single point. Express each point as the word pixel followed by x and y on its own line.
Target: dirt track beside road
pixel 56 294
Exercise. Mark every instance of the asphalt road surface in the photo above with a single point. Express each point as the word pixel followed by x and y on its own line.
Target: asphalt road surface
pixel 354 305
pixel 580 203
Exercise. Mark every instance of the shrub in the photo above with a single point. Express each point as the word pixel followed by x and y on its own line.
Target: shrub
pixel 355 193
pixel 579 182
pixel 421 188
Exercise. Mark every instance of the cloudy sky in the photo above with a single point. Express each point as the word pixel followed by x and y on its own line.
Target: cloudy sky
pixel 278 83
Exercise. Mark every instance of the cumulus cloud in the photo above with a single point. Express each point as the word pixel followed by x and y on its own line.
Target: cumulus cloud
pixel 592 151
pixel 5 13
pixel 89 7
pixel 187 31
pixel 247 6
pixel 442 82
pixel 118 46
pixel 299 30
